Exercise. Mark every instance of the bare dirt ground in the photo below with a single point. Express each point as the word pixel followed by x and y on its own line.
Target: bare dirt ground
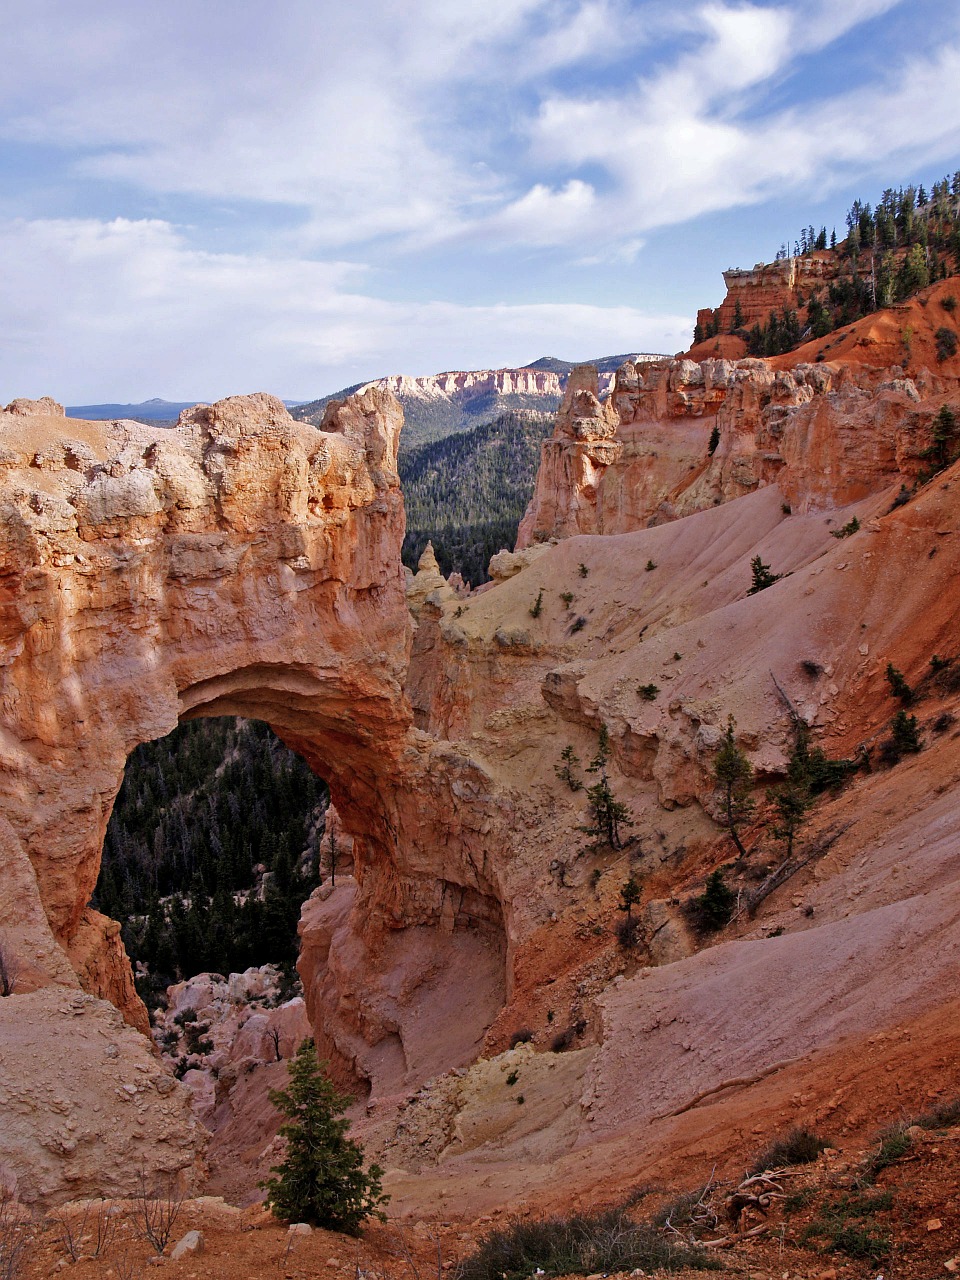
pixel 835 1217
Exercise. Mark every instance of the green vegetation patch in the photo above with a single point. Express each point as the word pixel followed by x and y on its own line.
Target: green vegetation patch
pixel 582 1244
pixel 203 818
pixel 799 1146
pixel 467 493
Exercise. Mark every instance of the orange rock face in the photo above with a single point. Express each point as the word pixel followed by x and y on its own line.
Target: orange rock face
pixel 682 435
pixel 244 564
pixel 773 286
pixel 237 564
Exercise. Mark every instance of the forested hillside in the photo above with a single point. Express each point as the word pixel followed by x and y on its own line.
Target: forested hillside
pixel 212 847
pixel 891 251
pixel 432 414
pixel 426 420
pixel 467 493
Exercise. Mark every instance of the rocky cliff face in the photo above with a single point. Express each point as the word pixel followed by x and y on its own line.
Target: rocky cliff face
pixel 683 435
pixel 242 564
pixel 752 294
pixel 444 403
pixel 465 384
pixel 246 564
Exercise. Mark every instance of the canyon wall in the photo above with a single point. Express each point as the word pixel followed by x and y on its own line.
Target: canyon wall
pixel 683 435
pixel 753 293
pixel 247 564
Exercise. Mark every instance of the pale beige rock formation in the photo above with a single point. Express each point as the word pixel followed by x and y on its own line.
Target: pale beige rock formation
pixel 44 407
pixel 83 1106
pixel 428 581
pixel 573 462
pixel 827 435
pixel 242 564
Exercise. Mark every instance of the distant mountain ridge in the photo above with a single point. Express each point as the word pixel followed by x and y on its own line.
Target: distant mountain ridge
pixel 153 410
pixel 445 404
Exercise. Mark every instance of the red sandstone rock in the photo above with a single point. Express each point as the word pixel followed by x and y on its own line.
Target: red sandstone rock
pixel 245 565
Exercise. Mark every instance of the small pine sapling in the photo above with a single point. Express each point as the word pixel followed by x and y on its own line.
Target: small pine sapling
pixel 628 928
pixel 569 761
pixel 537 607
pixel 734 775
pixel 648 692
pixel 321 1179
pixel 941 451
pixel 567 598
pixel 762 577
pixel 714 441
pixel 609 816
pixel 583 570
pixel 630 895
pixel 905 733
pixel 851 527
pixel 898 684
pixel 714 907
pixel 791 802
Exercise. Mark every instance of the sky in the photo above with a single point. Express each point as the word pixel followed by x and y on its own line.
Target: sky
pixel 205 199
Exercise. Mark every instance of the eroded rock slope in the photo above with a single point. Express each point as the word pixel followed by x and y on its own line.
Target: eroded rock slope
pixel 249 565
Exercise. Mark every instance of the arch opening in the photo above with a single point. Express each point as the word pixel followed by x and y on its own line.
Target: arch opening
pixel 212 847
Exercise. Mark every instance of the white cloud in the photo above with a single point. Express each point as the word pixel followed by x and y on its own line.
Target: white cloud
pixel 687 139
pixel 822 21
pixel 95 309
pixel 381 131
pixel 446 119
pixel 543 216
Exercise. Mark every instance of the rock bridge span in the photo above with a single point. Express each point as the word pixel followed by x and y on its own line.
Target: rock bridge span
pixel 239 564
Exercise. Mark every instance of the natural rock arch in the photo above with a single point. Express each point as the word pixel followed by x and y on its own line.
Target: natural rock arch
pixel 242 564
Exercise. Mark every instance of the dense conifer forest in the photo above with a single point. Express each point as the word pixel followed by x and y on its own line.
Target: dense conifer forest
pixel 467 493
pixel 212 847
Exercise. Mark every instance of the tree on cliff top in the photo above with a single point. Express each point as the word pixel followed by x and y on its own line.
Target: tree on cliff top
pixel 321 1178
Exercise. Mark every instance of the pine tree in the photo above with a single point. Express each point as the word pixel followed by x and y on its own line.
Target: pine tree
pixel 906 734
pixel 943 438
pixel 630 895
pixel 791 801
pixel 564 770
pixel 714 906
pixel 762 577
pixel 321 1178
pixel 609 815
pixel 734 775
